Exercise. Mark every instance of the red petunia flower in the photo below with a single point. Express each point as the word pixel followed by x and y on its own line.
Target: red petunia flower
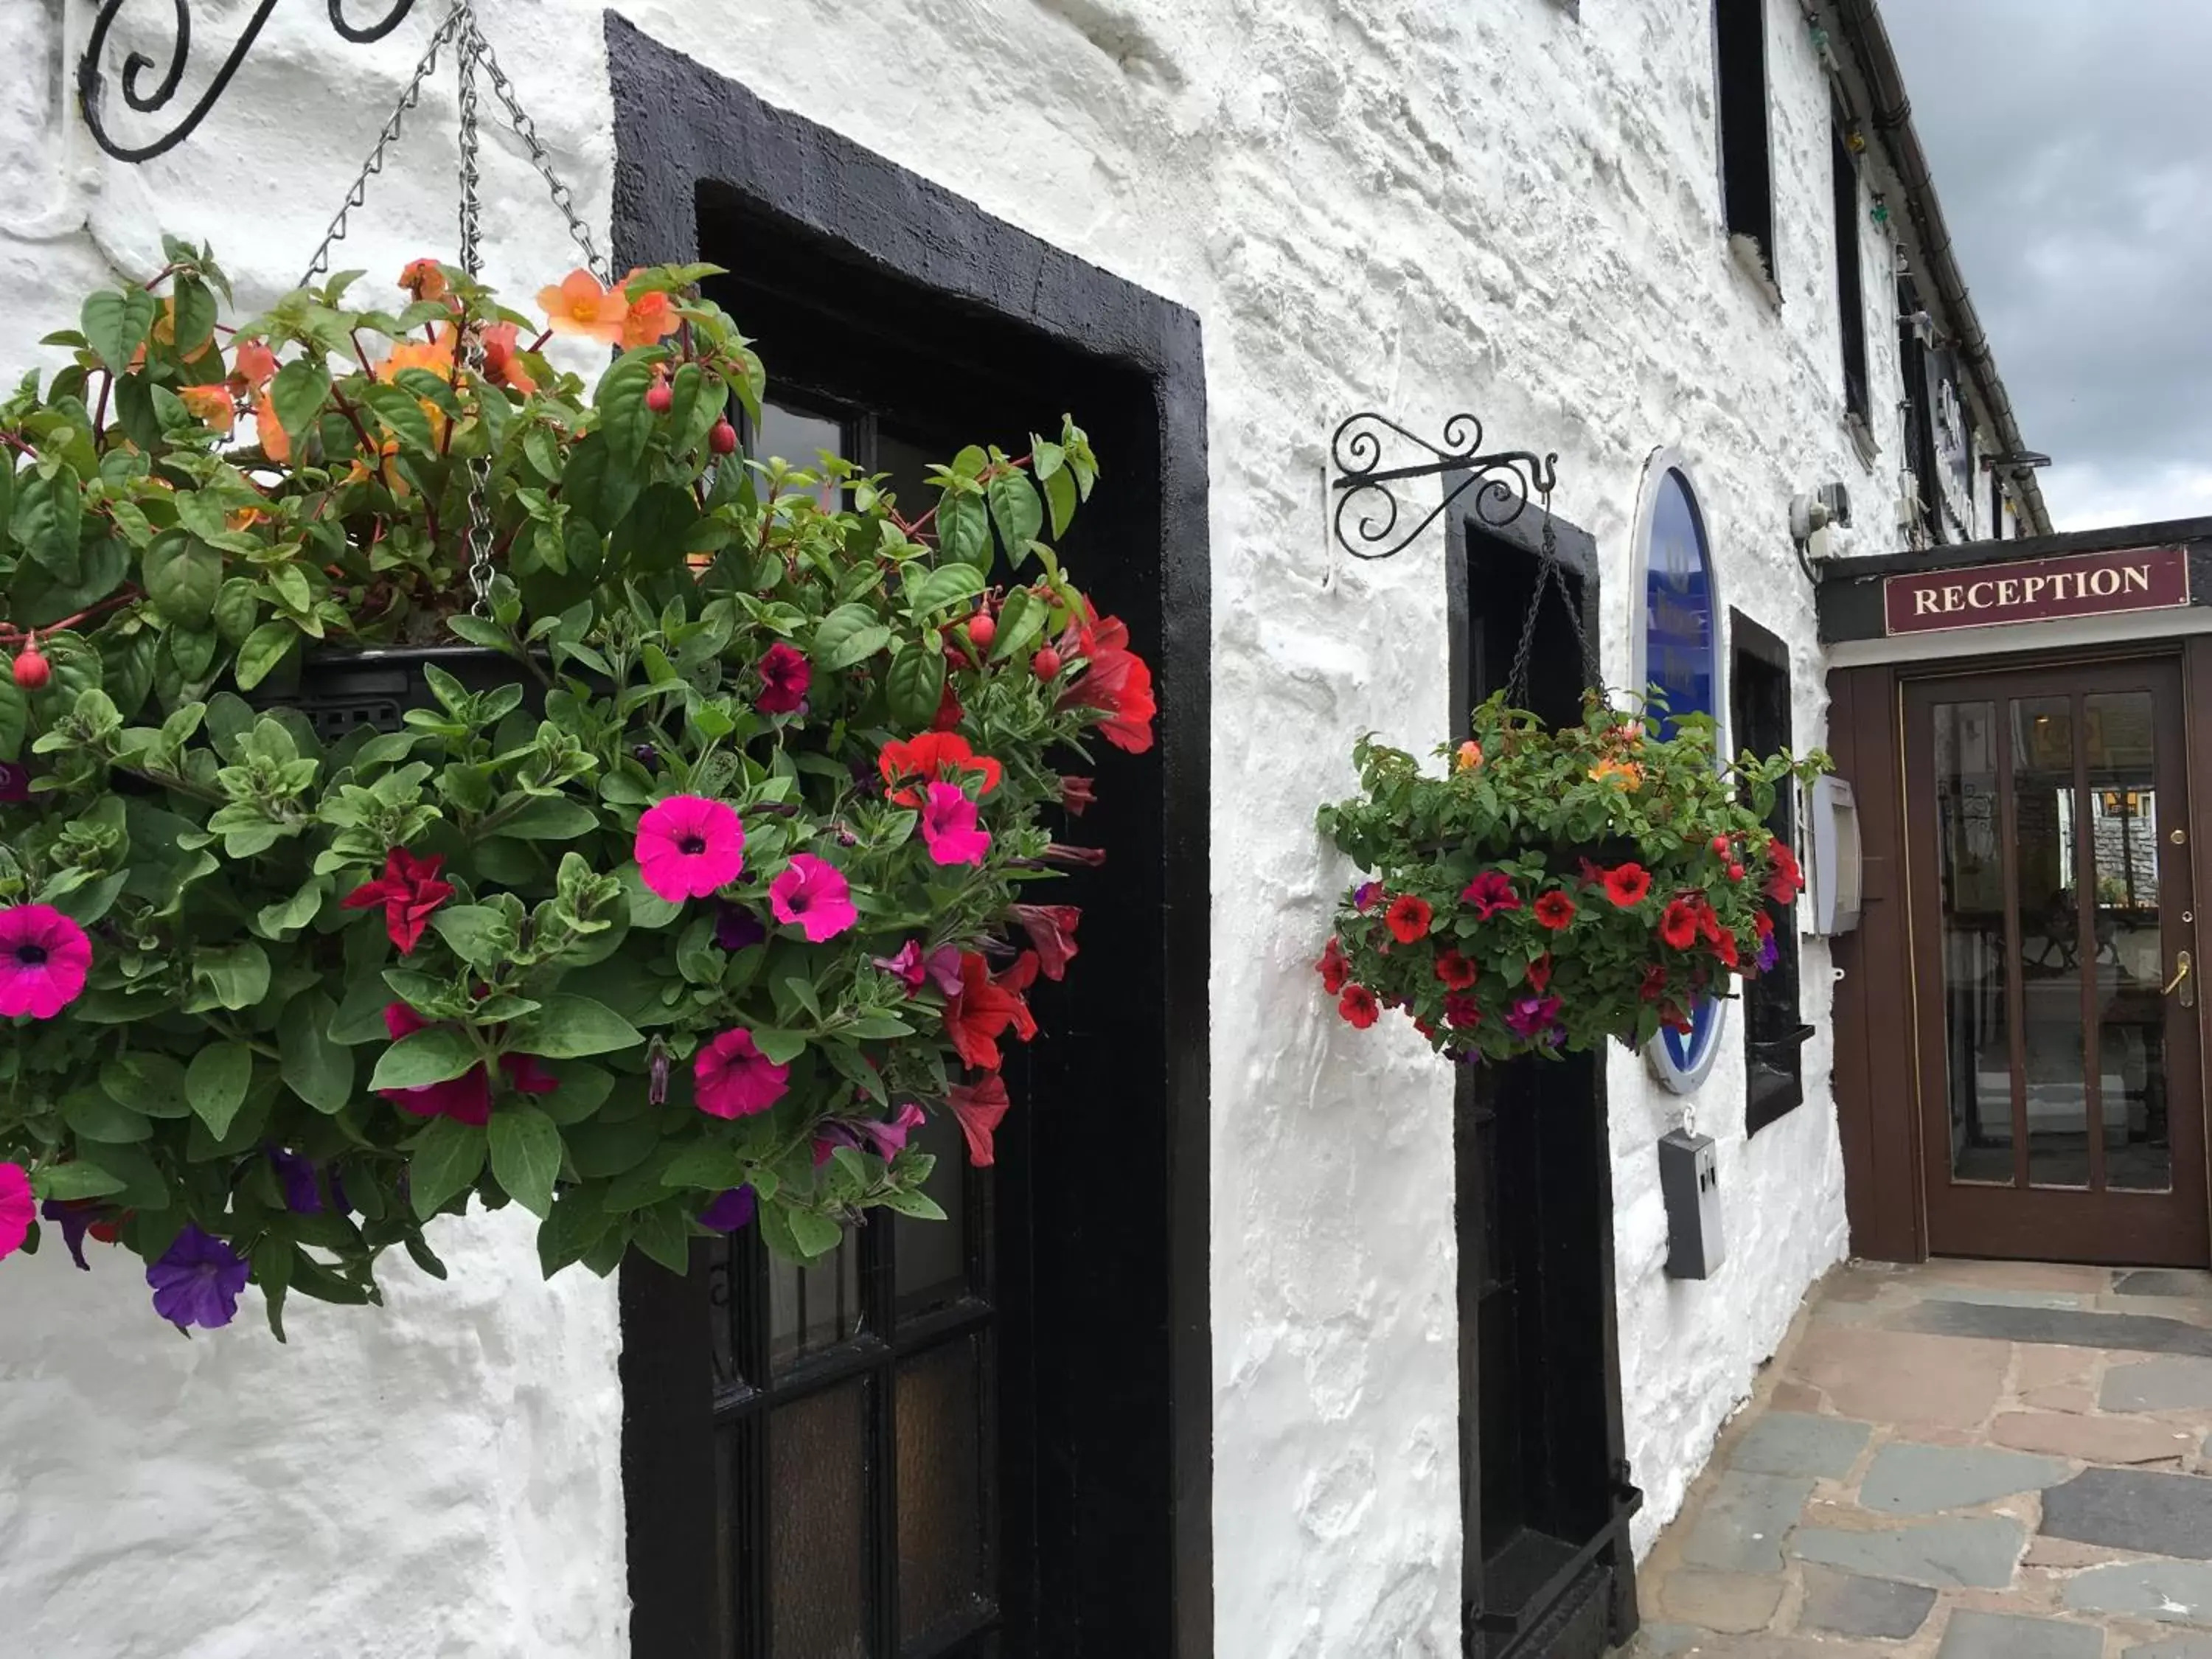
pixel 1725 946
pixel 1786 881
pixel 1489 893
pixel 978 1107
pixel 1555 910
pixel 1358 1006
pixel 1461 1011
pixel 1075 794
pixel 949 713
pixel 465 1098
pixel 983 1007
pixel 1409 917
pixel 1540 973
pixel 785 675
pixel 1626 885
pixel 409 890
pixel 1117 682
pixel 1454 969
pixel 908 763
pixel 1765 923
pixel 1051 928
pixel 1654 982
pixel 1709 922
pixel 1679 925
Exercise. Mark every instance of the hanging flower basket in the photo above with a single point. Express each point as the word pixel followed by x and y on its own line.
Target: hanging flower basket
pixel 1555 888
pixel 684 921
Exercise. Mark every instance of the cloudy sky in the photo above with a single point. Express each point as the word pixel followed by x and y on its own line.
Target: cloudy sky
pixel 2073 152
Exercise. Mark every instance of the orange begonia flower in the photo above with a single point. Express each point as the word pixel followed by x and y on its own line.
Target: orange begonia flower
pixel 435 355
pixel 210 403
pixel 1630 775
pixel 276 442
pixel 650 317
pixel 580 306
pixel 253 364
pixel 502 360
pixel 423 279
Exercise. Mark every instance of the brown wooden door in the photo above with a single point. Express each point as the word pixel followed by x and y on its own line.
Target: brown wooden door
pixel 2061 1101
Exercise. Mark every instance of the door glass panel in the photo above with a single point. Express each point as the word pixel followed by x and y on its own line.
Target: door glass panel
pixel 1970 878
pixel 2048 871
pixel 818 1522
pixel 2130 957
pixel 810 1309
pixel 798 438
pixel 933 1255
pixel 943 1564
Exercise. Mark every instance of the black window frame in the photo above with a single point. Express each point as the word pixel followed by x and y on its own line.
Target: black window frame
pixel 1761 691
pixel 1851 270
pixel 1746 160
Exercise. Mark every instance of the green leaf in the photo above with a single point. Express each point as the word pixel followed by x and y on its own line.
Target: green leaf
pixel 525 1156
pixel 215 1083
pixel 49 521
pixel 401 412
pixel 947 585
pixel 1015 511
pixel 814 1235
pixel 116 324
pixel 264 648
pixel 663 1232
pixel 298 392
pixel 360 1017
pixel 918 1205
pixel 569 1027
pixel 195 316
pixel 963 529
pixel 15 718
pixel 183 575
pixel 1060 496
pixel 428 1056
pixel 144 1188
pixel 481 934
pixel 916 685
pixel 147 1083
pixel 848 635
pixel 237 976
pixel 581 1091
pixel 578 1222
pixel 447 1160
pixel 77 1180
pixel 780 1048
pixel 1021 619
pixel 708 1165
pixel 95 1115
pixel 318 1069
pixel 548 817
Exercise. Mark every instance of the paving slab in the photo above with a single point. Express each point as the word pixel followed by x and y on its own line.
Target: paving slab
pixel 1902 1378
pixel 1979 1550
pixel 2163 1281
pixel 1846 1604
pixel 2036 1366
pixel 1743 1521
pixel 2173 1592
pixel 2134 1509
pixel 1910 1479
pixel 2171 1383
pixel 1731 1601
pixel 1794 1442
pixel 2065 1326
pixel 2009 1275
pixel 1996 1299
pixel 1972 1635
pixel 2173 1647
pixel 2091 1439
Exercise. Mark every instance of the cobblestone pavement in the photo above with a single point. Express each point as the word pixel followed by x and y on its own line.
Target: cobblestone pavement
pixel 1966 1460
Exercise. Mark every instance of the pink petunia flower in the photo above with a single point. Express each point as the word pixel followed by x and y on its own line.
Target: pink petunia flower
pixel 1490 892
pixel 942 965
pixel 906 965
pixel 16 1207
pixel 885 1140
pixel 465 1098
pixel 43 958
pixel 785 675
pixel 733 1078
pixel 688 845
pixel 949 826
pixel 813 894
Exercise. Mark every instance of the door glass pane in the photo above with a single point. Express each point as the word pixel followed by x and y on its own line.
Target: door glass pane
pixel 2048 871
pixel 943 1561
pixel 799 438
pixel 933 1255
pixel 818 1525
pixel 810 1309
pixel 1970 881
pixel 2131 956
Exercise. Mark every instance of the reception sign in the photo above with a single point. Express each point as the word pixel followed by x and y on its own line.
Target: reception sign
pixel 2036 589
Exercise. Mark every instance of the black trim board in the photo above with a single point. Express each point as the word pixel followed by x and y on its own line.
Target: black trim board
pixel 1849 597
pixel 681 129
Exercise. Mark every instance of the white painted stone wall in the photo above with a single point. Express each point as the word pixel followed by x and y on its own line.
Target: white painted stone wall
pixel 1401 204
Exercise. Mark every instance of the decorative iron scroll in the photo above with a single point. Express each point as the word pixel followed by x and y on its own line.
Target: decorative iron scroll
pixel 1367 511
pixel 92 84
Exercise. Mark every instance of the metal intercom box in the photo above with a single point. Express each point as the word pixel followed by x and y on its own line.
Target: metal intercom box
pixel 1690 1182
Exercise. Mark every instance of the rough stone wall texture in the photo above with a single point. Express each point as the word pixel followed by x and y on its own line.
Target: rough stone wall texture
pixel 1393 204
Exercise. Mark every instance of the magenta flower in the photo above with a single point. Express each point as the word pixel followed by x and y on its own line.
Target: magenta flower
pixel 16 1207
pixel 465 1098
pixel 688 845
pixel 44 956
pixel 948 824
pixel 198 1280
pixel 1532 1019
pixel 785 676
pixel 730 1211
pixel 733 1078
pixel 813 894
pixel 1490 892
pixel 906 965
pixel 944 966
pixel 1365 894
pixel 867 1134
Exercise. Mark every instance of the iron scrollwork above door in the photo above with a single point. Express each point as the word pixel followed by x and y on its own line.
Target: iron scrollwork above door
pixel 1367 511
pixel 92 84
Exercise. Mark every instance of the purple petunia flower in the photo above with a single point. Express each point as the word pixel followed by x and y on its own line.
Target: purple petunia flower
pixel 1365 894
pixel 1769 952
pixel 303 1193
pixel 75 1218
pixel 729 1211
pixel 197 1279
pixel 1531 1018
pixel 737 928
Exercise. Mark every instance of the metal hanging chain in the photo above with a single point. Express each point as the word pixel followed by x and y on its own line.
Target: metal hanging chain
pixel 358 193
pixel 469 54
pixel 1550 574
pixel 526 129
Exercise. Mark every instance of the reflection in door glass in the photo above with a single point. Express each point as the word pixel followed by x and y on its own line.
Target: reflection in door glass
pixel 2130 959
pixel 2047 873
pixel 1970 873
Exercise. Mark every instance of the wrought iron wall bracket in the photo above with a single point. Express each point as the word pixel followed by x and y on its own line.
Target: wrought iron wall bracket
pixel 92 86
pixel 1367 515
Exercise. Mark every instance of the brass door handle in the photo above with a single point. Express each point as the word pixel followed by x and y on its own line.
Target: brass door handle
pixel 2181 967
